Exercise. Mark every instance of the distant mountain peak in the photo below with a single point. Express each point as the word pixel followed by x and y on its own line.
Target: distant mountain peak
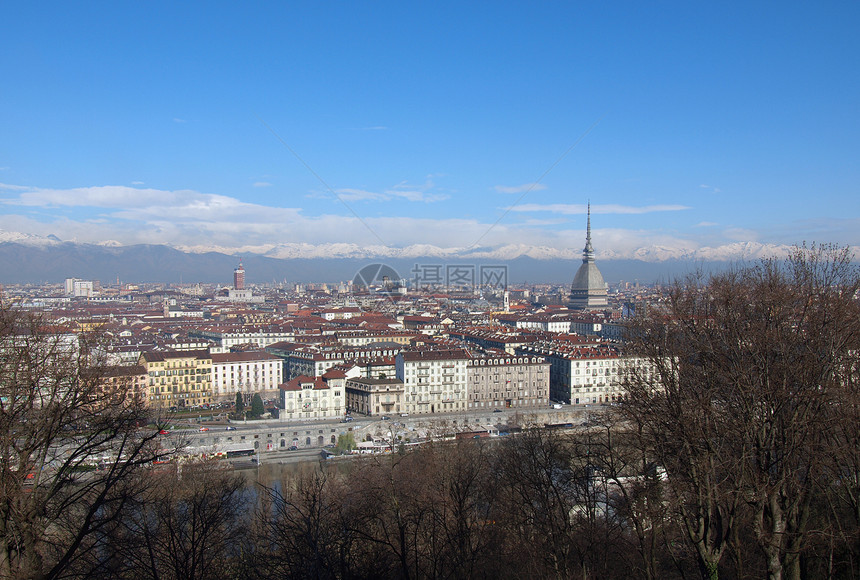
pixel 28 239
pixel 346 250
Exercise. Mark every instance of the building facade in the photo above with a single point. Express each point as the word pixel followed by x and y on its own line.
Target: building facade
pixel 434 381
pixel 246 372
pixel 306 398
pixel 583 375
pixel 126 383
pixel 505 382
pixel 374 397
pixel 239 277
pixel 178 378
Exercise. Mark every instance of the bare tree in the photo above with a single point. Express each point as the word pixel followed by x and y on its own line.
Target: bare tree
pixel 464 508
pixel 674 403
pixel 541 492
pixel 306 529
pixel 745 369
pixel 68 447
pixel 191 524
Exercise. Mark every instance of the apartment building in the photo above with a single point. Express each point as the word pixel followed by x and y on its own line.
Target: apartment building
pixel 246 372
pixel 374 397
pixel 306 398
pixel 178 378
pixel 505 382
pixel 227 338
pixel 315 360
pixel 499 338
pixel 434 381
pixel 584 374
pixel 127 382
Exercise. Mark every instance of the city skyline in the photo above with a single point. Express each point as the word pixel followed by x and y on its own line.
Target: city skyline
pixel 301 130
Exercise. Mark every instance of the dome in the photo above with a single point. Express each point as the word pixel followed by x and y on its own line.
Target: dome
pixel 588 289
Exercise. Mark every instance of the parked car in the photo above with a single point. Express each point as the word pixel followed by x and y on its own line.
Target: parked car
pixel 293 448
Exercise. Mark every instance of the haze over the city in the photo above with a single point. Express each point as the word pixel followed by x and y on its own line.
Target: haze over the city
pixel 308 130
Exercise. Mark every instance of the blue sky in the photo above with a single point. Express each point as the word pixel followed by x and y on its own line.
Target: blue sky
pixel 394 124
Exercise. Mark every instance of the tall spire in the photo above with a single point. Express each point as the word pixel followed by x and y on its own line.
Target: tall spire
pixel 588 289
pixel 588 252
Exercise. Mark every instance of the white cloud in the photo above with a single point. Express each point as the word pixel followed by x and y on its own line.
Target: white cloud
pixel 578 209
pixel 99 196
pixel 423 196
pixel 741 234
pixel 403 190
pixel 178 120
pixel 262 184
pixel 347 194
pixel 525 187
pixel 547 222
pixel 137 182
pixel 11 187
pixel 190 218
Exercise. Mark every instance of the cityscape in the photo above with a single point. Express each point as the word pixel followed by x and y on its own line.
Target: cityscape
pixel 349 291
pixel 210 389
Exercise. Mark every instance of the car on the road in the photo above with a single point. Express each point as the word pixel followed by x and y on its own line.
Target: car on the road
pixel 164 432
pixel 293 448
pixel 404 414
pixel 230 428
pixel 497 410
pixel 204 428
pixel 346 419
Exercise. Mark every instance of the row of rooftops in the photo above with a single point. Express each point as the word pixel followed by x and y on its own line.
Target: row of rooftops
pixel 140 327
pixel 572 351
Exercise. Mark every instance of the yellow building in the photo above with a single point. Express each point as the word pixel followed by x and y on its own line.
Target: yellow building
pixel 178 378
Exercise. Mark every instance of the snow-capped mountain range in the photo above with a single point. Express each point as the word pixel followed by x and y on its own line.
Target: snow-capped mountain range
pixel 728 252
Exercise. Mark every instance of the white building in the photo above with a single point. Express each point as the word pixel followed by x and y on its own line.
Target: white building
pixel 582 375
pixel 373 397
pixel 244 295
pixel 247 373
pixel 226 339
pixel 306 398
pixel 434 381
pixel 80 288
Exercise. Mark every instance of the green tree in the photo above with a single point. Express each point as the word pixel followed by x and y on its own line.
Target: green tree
pixel 345 443
pixel 257 407
pixel 240 402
